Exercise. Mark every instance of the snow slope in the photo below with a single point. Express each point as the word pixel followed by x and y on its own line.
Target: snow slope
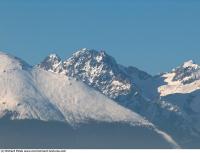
pixel 79 103
pixel 19 94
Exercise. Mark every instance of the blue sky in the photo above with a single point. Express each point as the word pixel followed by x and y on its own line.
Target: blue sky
pixel 154 36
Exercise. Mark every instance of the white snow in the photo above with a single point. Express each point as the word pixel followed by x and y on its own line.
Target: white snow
pixel 172 87
pixel 177 86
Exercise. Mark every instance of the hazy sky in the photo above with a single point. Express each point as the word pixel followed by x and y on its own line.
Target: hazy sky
pixel 153 35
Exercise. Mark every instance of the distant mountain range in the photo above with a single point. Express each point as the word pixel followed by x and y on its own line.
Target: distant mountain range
pixel 92 87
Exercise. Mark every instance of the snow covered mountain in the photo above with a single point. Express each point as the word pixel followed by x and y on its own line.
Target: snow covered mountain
pixel 154 97
pixel 183 79
pixel 96 69
pixel 31 93
pixel 103 73
pixel 180 89
pixel 177 97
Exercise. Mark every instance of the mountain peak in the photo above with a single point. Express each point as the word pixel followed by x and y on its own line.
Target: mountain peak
pixel 99 70
pixel 51 63
pixel 189 63
pixel 54 56
pixel 91 53
pixel 92 56
pixel 85 51
pixel 81 51
pixel 187 73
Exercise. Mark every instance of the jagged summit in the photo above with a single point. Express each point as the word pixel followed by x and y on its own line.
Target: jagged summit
pixel 99 70
pixel 52 63
pixel 54 56
pixel 94 55
pixel 189 63
pixel 183 79
pixel 187 73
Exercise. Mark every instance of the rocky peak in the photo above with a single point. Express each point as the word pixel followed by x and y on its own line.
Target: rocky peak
pixel 189 63
pixel 98 69
pixel 187 73
pixel 84 55
pixel 52 63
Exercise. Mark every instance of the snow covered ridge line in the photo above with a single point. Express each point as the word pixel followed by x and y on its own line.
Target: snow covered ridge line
pixel 37 94
pixel 101 71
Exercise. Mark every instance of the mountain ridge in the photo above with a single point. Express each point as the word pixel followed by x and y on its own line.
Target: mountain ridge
pixel 31 93
pixel 137 90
